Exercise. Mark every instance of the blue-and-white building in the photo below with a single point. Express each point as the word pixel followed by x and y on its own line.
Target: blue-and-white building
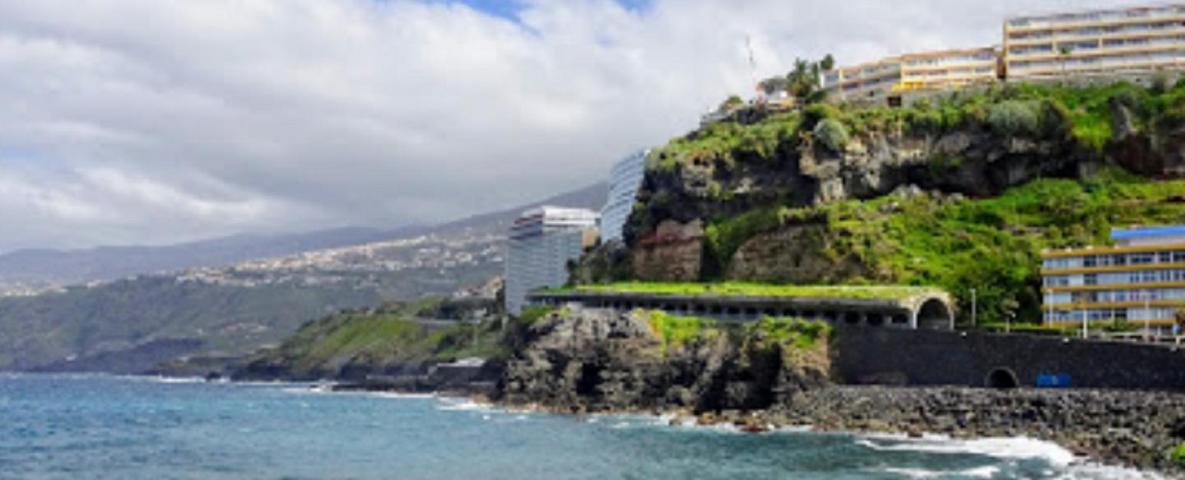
pixel 541 243
pixel 624 181
pixel 1140 280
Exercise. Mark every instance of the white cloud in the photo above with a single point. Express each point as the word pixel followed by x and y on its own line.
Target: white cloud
pixel 141 121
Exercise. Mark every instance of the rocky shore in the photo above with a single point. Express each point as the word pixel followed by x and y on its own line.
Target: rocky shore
pixel 597 362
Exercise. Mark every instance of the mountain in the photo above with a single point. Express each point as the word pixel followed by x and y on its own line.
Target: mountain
pixel 26 271
pixel 232 310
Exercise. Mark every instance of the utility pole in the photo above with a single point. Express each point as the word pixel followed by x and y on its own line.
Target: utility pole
pixel 1085 320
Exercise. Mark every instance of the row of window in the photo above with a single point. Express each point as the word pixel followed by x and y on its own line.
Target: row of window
pixel 929 61
pixel 1116 296
pixel 1108 314
pixel 1117 16
pixel 1049 49
pixel 1108 31
pixel 1119 59
pixel 1116 259
pixel 1115 278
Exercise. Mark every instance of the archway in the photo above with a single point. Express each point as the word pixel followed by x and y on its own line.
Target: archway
pixel 934 314
pixel 1002 379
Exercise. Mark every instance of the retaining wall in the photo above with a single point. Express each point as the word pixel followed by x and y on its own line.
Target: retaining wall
pixel 922 357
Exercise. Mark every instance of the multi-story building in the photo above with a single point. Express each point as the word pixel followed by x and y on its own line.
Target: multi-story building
pixel 1141 280
pixel 624 181
pixel 867 81
pixel 938 70
pixel 1103 41
pixel 541 243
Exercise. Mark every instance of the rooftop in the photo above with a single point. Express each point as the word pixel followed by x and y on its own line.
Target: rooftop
pixel 737 289
pixel 1146 232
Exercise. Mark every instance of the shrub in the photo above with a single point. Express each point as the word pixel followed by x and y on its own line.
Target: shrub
pixel 1016 117
pixel 832 134
pixel 1178 455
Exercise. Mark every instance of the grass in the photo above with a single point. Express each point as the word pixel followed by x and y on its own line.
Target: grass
pixel 876 292
pixel 801 334
pixel 993 245
pixel 676 332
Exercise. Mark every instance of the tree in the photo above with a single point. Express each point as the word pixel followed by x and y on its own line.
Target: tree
pixel 773 85
pixel 1180 314
pixel 732 102
pixel 827 63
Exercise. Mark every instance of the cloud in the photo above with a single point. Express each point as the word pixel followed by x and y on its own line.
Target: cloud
pixel 140 121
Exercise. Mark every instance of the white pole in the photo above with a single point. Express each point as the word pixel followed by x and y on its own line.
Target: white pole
pixel 1085 331
pixel 973 322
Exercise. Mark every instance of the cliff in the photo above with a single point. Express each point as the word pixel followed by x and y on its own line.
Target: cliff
pixel 595 360
pixel 958 193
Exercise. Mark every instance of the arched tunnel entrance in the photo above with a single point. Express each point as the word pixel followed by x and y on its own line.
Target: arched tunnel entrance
pixel 1002 379
pixel 934 314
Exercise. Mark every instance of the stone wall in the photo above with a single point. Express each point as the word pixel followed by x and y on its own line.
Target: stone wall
pixel 882 356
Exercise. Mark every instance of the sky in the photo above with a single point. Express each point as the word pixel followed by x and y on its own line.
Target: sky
pixel 149 122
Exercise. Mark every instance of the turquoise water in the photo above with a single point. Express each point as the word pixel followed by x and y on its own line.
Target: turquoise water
pixel 140 428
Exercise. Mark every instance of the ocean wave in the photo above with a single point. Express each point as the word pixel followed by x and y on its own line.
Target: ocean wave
pixel 1004 448
pixel 463 405
pixel 1065 464
pixel 988 471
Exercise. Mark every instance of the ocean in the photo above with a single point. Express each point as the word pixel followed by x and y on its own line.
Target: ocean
pixel 88 426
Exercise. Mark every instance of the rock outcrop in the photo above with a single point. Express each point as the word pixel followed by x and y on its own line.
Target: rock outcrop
pixel 598 360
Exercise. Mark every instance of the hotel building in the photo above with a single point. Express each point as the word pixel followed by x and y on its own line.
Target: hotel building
pixel 1140 280
pixel 1103 41
pixel 624 181
pixel 541 243
pixel 939 70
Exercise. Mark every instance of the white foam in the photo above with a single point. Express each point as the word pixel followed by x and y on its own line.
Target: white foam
pixel 1006 448
pixel 452 405
pixel 977 472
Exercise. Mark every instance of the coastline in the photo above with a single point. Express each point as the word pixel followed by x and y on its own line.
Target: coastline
pixel 1124 440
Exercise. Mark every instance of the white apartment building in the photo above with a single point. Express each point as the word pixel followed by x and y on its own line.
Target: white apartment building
pixel 1102 41
pixel 540 244
pixel 624 181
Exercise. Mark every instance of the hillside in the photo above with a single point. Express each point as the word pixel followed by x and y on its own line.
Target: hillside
pixel 394 339
pixel 236 309
pixel 960 192
pixel 31 271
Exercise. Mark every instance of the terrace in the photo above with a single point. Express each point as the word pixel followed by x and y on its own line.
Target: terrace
pixel 904 307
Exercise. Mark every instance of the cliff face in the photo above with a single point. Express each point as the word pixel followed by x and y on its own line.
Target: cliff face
pixel 949 194
pixel 594 360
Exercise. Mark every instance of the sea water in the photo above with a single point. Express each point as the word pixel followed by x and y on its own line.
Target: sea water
pixel 68 426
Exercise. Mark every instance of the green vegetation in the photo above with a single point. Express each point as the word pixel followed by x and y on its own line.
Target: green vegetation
pixel 1178 455
pixel 387 335
pixel 832 134
pixel 676 332
pixel 532 315
pixel 992 245
pixel 759 290
pixel 1082 114
pixel 792 334
pixel 800 334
